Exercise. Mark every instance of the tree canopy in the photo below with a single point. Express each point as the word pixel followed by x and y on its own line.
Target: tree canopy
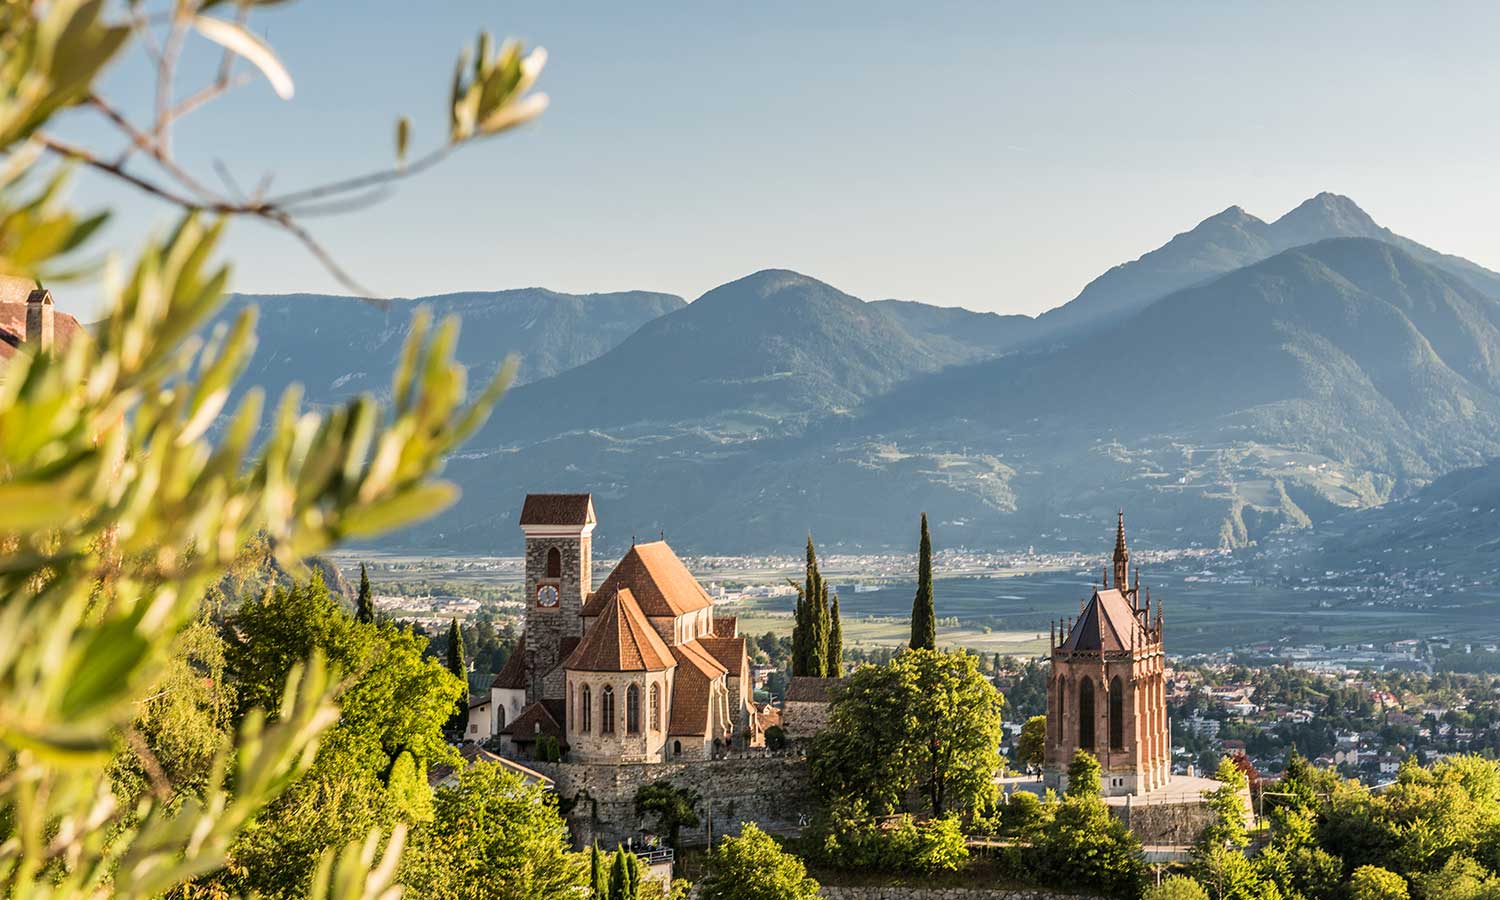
pixel 925 724
pixel 753 867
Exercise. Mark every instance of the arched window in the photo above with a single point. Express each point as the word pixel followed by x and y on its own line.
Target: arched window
pixel 607 710
pixel 677 748
pixel 656 707
pixel 1116 715
pixel 588 709
pixel 1086 714
pixel 499 717
pixel 633 710
pixel 1062 706
pixel 554 563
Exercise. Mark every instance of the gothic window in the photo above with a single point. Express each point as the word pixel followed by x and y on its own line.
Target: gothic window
pixel 1116 715
pixel 633 710
pixel 677 748
pixel 588 709
pixel 656 707
pixel 607 710
pixel 1062 706
pixel 1086 714
pixel 554 563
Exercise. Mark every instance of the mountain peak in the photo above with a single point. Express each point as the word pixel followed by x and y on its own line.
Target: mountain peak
pixel 1232 216
pixel 1326 214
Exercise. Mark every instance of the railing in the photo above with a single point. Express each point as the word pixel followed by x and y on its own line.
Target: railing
pixel 655 855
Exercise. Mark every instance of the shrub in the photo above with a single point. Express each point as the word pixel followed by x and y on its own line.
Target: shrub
pixel 1176 887
pixel 775 738
pixel 1375 883
pixel 753 867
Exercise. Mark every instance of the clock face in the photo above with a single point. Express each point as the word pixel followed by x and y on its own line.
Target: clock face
pixel 546 596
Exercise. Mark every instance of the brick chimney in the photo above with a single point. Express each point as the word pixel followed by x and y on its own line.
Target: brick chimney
pixel 39 320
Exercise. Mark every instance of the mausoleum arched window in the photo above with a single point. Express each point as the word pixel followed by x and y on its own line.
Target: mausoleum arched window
pixel 1116 714
pixel 607 710
pixel 588 709
pixel 1086 714
pixel 633 710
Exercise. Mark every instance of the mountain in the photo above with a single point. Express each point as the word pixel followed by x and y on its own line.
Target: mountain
pixel 1230 240
pixel 337 347
pixel 761 356
pixel 1328 377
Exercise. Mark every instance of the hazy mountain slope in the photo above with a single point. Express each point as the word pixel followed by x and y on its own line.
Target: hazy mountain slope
pixel 340 346
pixel 1227 241
pixel 759 356
pixel 963 335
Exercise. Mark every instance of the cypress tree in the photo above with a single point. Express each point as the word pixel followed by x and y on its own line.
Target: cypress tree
pixel 817 616
pixel 460 670
pixel 923 619
pixel 835 641
pixel 364 604
pixel 632 876
pixel 598 877
pixel 618 879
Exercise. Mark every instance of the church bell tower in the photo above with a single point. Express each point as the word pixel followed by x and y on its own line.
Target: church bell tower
pixel 559 532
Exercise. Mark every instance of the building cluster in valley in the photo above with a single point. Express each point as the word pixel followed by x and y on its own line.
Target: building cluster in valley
pixel 643 679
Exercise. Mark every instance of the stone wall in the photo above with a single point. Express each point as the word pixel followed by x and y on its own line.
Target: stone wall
pixel 773 791
pixel 801 720
pixel 906 892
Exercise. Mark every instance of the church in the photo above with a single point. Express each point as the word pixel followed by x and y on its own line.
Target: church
pixel 639 670
pixel 1107 689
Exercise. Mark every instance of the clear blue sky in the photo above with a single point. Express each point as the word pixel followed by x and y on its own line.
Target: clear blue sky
pixel 994 156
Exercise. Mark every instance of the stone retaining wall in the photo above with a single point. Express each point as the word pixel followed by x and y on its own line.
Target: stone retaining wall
pixel 773 791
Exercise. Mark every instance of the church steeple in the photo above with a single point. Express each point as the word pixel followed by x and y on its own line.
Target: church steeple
pixel 1122 555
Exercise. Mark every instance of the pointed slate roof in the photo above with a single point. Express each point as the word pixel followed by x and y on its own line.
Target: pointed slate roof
pixel 558 509
pixel 620 641
pixel 1108 624
pixel 661 584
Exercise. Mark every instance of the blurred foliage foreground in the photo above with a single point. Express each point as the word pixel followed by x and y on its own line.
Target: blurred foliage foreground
pixel 118 512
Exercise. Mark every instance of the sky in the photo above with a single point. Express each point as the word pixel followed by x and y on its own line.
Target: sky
pixel 992 155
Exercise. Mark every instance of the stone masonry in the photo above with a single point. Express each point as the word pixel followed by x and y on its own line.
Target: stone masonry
pixel 772 791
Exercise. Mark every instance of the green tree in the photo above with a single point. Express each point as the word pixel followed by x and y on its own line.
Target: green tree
pixel 811 631
pixel 926 723
pixel 124 496
pixel 370 771
pixel 1084 779
pixel 1084 846
pixel 1375 883
pixel 493 835
pixel 364 603
pixel 1175 887
pixel 753 867
pixel 1031 744
pixel 673 807
pixel 619 877
pixel 1227 875
pixel 598 875
pixel 1227 802
pixel 460 669
pixel 835 656
pixel 923 616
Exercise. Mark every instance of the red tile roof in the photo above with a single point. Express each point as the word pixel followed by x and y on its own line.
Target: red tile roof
pixel 13 328
pixel 662 585
pixel 726 626
pixel 620 640
pixel 691 688
pixel 1108 624
pixel 512 675
pixel 728 651
pixel 807 689
pixel 558 509
pixel 539 718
